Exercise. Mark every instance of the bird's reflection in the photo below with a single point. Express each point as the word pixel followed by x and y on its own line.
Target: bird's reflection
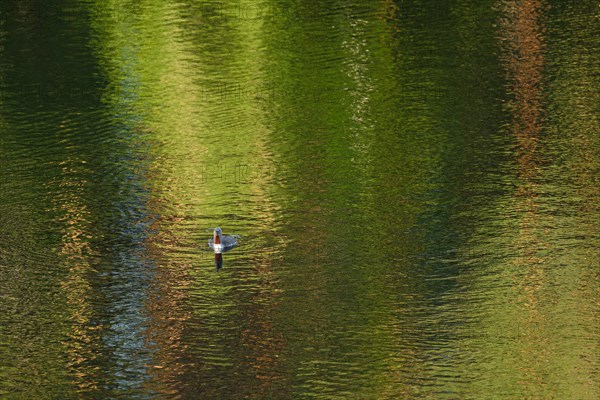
pixel 218 261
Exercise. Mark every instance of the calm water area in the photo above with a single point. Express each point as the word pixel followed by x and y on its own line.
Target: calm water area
pixel 415 186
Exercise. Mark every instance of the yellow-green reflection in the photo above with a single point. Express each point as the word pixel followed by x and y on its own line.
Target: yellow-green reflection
pixel 194 125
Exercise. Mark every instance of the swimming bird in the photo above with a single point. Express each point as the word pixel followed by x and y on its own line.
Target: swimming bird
pixel 221 243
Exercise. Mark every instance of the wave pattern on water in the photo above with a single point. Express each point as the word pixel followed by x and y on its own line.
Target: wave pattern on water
pixel 414 186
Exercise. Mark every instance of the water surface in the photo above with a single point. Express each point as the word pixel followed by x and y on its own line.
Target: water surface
pixel 415 185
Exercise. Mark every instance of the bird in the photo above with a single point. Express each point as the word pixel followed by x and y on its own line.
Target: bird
pixel 221 243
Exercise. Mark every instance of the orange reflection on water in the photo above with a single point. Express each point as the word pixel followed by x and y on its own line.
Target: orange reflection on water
pixel 522 34
pixel 168 294
pixel 84 337
pixel 524 64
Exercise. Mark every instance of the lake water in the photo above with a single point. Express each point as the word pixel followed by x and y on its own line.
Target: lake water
pixel 415 186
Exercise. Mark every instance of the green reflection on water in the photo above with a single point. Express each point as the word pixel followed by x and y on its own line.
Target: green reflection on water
pixel 415 186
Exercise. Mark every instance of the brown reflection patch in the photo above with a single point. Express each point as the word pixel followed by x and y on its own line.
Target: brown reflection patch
pixel 522 38
pixel 165 335
pixel 524 62
pixel 84 342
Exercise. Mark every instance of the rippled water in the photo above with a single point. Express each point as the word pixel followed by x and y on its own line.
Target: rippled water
pixel 415 185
